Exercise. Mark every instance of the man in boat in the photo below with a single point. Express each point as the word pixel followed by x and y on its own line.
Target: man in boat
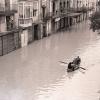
pixel 77 60
pixel 71 66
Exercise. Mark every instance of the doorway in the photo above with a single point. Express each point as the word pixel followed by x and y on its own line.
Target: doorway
pixel 43 11
pixel 44 31
pixel 35 32
pixel 8 22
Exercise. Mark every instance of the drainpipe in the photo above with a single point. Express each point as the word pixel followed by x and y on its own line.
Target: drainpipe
pixel 2 44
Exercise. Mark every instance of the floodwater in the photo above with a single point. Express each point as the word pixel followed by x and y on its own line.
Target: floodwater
pixel 35 73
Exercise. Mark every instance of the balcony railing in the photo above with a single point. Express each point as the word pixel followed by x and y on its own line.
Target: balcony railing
pixel 59 13
pixel 56 14
pixel 79 9
pixel 62 12
pixel 46 16
pixel 7 9
pixel 91 8
pixel 71 9
pixel 25 22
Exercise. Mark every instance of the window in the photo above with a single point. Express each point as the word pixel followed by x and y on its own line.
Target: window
pixel 60 4
pixel 27 12
pixel 34 12
pixel 35 7
pixel 64 4
pixel 53 7
pixel 20 11
pixel 68 4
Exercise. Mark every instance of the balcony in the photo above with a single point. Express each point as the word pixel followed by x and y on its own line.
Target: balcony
pixel 47 16
pixel 91 8
pixel 71 10
pixel 78 10
pixel 25 22
pixel 55 14
pixel 59 13
pixel 8 10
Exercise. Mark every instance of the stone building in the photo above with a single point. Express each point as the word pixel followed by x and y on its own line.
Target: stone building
pixel 60 14
pixel 23 21
pixel 9 36
pixel 25 15
pixel 35 19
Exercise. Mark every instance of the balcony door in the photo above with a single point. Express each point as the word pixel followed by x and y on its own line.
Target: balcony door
pixel 7 5
pixel 8 22
pixel 53 7
pixel 43 11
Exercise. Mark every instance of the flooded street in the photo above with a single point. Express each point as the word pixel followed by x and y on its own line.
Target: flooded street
pixel 35 73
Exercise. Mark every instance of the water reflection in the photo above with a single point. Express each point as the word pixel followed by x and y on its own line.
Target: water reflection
pixel 71 74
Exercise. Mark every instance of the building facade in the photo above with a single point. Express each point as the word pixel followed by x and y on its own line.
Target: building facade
pixel 23 21
pixel 9 37
pixel 34 16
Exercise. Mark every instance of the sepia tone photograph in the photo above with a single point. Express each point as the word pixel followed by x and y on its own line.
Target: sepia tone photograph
pixel 49 49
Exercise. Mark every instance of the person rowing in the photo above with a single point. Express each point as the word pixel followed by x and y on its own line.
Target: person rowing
pixel 75 64
pixel 71 66
pixel 77 60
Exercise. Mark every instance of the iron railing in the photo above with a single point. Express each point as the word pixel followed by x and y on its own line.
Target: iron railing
pixel 79 9
pixel 60 13
pixel 8 8
pixel 25 22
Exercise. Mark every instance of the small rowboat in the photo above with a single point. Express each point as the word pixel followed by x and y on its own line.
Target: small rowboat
pixel 75 68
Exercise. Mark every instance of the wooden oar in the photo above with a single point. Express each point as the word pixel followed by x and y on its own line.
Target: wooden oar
pixel 67 63
pixel 82 71
pixel 82 68
pixel 63 62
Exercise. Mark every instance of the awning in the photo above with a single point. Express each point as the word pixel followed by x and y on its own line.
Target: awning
pixel 74 14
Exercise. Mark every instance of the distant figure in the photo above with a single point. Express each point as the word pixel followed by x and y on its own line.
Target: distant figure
pixel 77 60
pixel 71 66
